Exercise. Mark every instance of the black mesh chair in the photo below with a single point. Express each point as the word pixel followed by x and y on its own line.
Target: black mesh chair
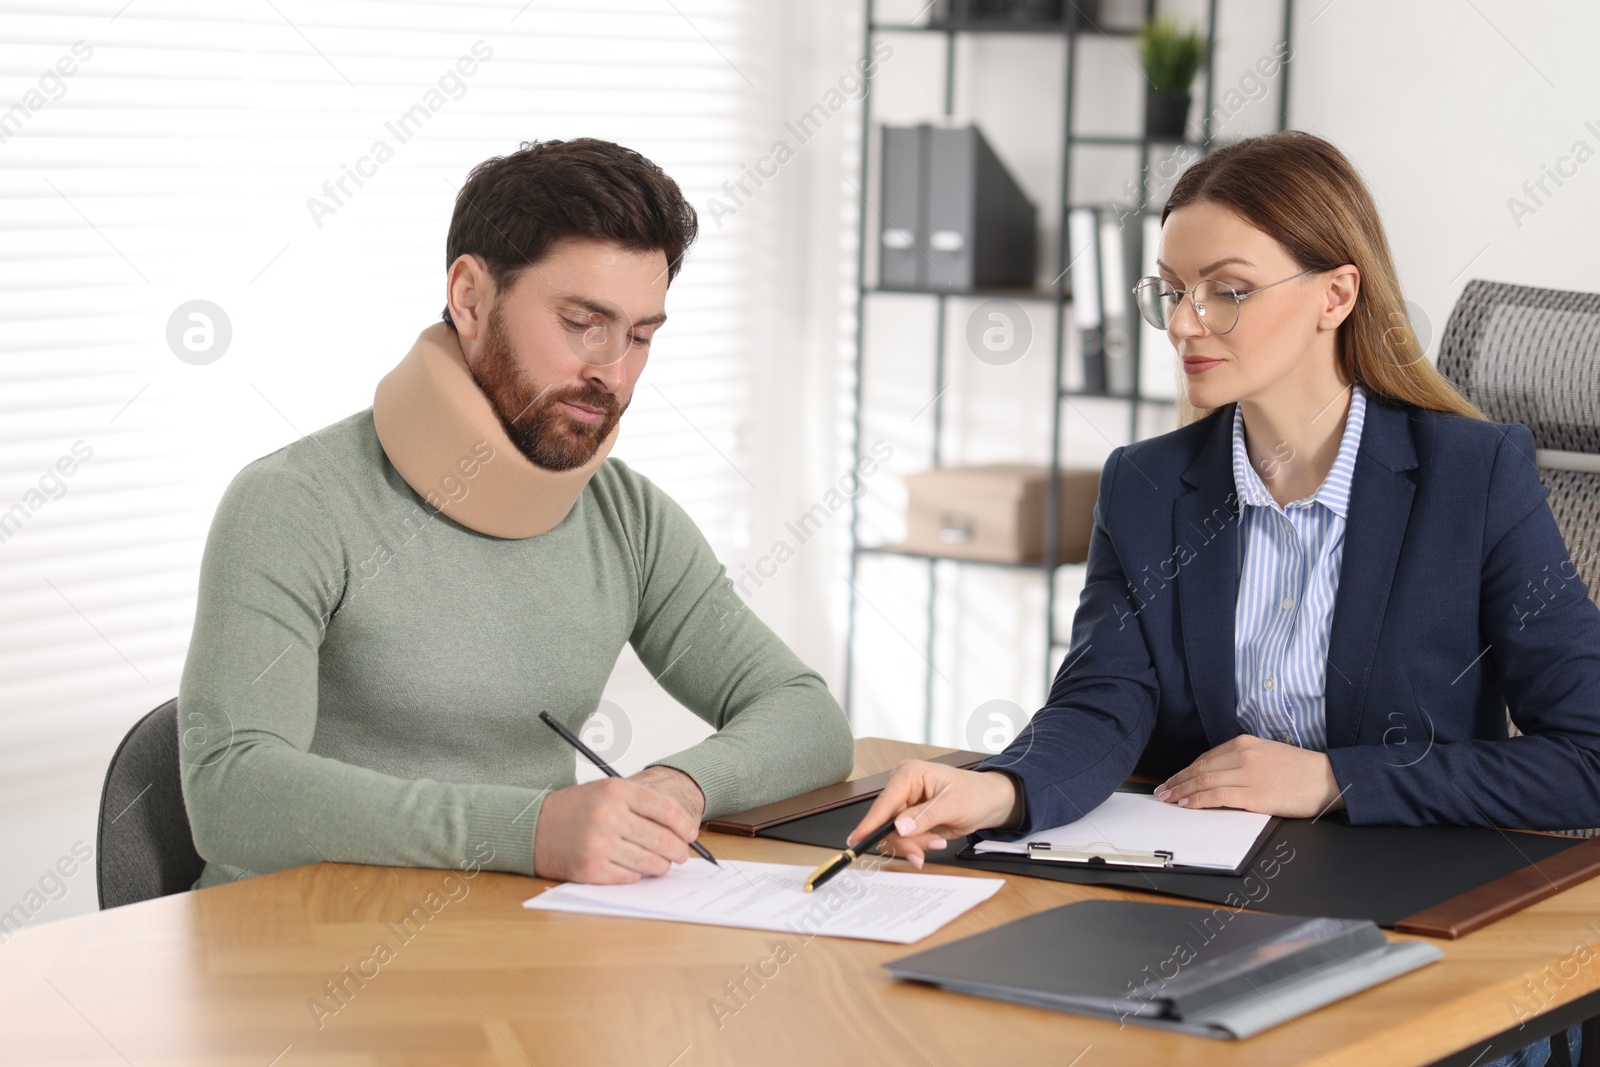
pixel 1533 356
pixel 145 848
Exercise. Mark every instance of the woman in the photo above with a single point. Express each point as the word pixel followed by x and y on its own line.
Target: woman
pixel 1317 593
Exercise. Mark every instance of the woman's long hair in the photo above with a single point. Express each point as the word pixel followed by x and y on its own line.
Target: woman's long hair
pixel 1301 191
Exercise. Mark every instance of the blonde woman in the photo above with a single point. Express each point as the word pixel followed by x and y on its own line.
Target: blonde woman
pixel 1316 594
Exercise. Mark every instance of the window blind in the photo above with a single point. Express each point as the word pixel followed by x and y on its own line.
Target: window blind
pixel 293 165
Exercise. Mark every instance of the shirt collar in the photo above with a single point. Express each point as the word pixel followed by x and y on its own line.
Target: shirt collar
pixel 1334 492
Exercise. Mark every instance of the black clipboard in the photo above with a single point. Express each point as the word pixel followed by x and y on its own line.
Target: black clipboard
pixel 1103 855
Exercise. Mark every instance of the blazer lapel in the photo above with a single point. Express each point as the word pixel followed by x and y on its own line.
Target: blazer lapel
pixel 1380 508
pixel 1206 520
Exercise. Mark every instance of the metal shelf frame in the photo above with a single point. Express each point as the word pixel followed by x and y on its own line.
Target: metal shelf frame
pixel 1059 295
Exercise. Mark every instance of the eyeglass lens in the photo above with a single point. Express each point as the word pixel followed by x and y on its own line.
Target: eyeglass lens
pixel 1215 303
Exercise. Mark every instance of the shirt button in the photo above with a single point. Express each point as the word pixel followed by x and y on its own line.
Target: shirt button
pixel 1286 603
pixel 1286 739
pixel 1269 683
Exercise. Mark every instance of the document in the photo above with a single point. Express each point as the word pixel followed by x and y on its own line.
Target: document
pixel 874 905
pixel 1211 838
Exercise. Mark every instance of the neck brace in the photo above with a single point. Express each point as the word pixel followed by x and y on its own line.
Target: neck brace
pixel 443 436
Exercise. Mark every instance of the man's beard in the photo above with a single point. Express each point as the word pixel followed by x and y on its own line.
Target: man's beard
pixel 547 435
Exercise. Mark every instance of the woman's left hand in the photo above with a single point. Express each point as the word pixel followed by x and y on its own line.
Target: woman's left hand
pixel 1255 774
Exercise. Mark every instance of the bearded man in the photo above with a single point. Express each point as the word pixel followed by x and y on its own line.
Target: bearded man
pixel 388 603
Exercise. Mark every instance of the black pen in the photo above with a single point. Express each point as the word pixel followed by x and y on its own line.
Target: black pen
pixel 848 856
pixel 572 739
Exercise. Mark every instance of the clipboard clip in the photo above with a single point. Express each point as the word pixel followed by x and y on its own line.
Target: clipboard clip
pixel 1097 856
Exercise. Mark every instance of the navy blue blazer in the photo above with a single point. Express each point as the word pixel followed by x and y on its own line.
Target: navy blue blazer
pixel 1457 599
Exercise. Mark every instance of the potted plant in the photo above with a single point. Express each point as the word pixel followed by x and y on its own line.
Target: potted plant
pixel 1172 57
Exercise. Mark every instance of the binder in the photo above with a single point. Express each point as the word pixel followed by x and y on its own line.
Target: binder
pixel 954 219
pixel 1215 972
pixel 900 243
pixel 953 156
pixel 1119 258
pixel 1083 239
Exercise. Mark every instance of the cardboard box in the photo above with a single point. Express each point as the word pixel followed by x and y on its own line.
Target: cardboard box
pixel 997 512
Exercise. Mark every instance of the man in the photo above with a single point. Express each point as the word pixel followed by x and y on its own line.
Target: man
pixel 387 604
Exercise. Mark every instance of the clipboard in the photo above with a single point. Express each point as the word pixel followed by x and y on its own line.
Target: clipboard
pixel 1101 853
pixel 1108 856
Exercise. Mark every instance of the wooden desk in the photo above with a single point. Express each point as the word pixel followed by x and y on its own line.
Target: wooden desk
pixel 227 976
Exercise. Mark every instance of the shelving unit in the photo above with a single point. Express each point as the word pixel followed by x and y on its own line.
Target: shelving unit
pixel 1058 295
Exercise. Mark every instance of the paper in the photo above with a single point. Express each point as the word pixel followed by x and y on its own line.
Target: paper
pixel 871 904
pixel 1215 838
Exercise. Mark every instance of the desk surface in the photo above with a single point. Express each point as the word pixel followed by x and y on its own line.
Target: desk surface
pixel 229 976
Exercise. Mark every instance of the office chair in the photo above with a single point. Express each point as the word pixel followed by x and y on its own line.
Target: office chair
pixel 1533 356
pixel 144 848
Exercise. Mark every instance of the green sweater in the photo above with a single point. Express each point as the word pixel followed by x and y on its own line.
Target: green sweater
pixel 366 674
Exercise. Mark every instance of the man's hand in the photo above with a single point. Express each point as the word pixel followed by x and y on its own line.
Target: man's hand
pixel 935 802
pixel 676 787
pixel 1257 775
pixel 615 830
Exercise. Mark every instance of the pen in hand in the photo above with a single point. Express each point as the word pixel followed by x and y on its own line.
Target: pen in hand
pixel 871 840
pixel 848 856
pixel 572 739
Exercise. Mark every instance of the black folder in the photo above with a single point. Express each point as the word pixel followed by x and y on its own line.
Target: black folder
pixel 1217 972
pixel 1441 881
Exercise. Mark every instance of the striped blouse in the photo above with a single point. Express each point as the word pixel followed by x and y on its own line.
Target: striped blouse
pixel 1289 577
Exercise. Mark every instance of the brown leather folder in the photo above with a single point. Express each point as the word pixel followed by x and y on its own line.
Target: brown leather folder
pixel 752 822
pixel 1492 901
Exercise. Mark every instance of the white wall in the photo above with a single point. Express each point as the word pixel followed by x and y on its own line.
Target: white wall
pixel 1448 108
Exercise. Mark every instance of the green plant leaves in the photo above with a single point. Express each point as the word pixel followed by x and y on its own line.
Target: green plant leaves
pixel 1172 57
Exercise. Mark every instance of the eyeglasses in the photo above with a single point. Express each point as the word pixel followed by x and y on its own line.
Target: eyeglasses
pixel 1215 303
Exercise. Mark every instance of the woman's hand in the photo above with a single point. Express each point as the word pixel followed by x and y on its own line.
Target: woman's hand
pixel 1255 774
pixel 935 802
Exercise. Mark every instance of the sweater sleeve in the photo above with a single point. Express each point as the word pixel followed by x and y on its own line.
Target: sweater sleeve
pixel 274 571
pixel 779 731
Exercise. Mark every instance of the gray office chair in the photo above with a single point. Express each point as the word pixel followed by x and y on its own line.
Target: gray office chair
pixel 1533 356
pixel 145 848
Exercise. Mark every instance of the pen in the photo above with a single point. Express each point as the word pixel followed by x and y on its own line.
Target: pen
pixel 848 856
pixel 572 739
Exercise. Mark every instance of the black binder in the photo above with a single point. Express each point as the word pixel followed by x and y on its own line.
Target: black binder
pixel 954 219
pixel 1216 972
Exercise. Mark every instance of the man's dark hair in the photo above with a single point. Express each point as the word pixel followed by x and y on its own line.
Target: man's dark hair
pixel 512 208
